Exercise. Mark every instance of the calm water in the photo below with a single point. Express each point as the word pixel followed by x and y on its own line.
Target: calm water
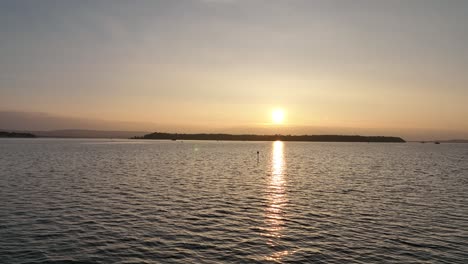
pixel 102 201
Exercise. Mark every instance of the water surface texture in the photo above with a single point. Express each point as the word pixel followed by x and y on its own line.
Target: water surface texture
pixel 124 201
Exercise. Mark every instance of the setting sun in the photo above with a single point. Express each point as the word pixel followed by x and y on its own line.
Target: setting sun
pixel 277 116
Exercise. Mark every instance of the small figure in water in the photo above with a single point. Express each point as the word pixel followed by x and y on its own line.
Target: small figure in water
pixel 258 156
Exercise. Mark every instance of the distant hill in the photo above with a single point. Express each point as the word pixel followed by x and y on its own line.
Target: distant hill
pixel 37 121
pixel 315 138
pixel 81 133
pixel 16 135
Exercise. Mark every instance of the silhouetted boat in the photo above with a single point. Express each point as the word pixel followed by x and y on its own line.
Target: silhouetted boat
pixel 437 142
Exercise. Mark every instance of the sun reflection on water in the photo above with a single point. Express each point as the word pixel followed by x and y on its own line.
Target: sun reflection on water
pixel 277 200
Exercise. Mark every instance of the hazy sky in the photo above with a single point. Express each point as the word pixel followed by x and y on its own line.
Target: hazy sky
pixel 386 66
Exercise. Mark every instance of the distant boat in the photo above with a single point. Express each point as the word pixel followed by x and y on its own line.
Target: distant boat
pixel 437 142
pixel 174 139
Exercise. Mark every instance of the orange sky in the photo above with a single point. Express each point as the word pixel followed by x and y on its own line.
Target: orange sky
pixel 334 66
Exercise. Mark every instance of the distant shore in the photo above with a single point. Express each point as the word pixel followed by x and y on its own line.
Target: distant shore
pixel 4 134
pixel 249 137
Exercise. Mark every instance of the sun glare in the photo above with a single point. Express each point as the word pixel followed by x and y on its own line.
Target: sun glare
pixel 278 116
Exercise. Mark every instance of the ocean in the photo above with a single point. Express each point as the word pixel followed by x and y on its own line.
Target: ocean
pixel 143 201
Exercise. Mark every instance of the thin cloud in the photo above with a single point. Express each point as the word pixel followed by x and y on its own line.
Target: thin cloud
pixel 217 1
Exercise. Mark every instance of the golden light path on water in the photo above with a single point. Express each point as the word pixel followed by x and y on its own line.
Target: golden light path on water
pixel 277 200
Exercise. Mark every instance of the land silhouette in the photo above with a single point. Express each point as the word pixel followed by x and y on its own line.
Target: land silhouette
pixel 251 137
pixel 52 125
pixel 16 135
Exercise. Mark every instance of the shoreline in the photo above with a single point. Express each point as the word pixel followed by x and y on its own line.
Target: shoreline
pixel 251 137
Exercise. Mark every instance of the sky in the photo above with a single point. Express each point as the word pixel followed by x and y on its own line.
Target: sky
pixel 369 67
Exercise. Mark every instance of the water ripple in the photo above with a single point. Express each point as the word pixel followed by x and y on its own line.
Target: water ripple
pixel 93 201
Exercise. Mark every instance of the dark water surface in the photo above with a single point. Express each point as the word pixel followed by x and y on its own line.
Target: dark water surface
pixel 102 201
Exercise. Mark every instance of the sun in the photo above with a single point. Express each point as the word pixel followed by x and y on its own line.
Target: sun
pixel 277 116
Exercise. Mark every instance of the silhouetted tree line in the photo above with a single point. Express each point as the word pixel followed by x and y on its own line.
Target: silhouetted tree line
pixel 16 135
pixel 316 138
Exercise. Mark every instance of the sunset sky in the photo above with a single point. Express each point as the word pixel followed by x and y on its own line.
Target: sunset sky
pixel 369 67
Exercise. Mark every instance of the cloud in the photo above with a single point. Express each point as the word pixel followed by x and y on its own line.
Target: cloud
pixel 217 1
pixel 30 121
